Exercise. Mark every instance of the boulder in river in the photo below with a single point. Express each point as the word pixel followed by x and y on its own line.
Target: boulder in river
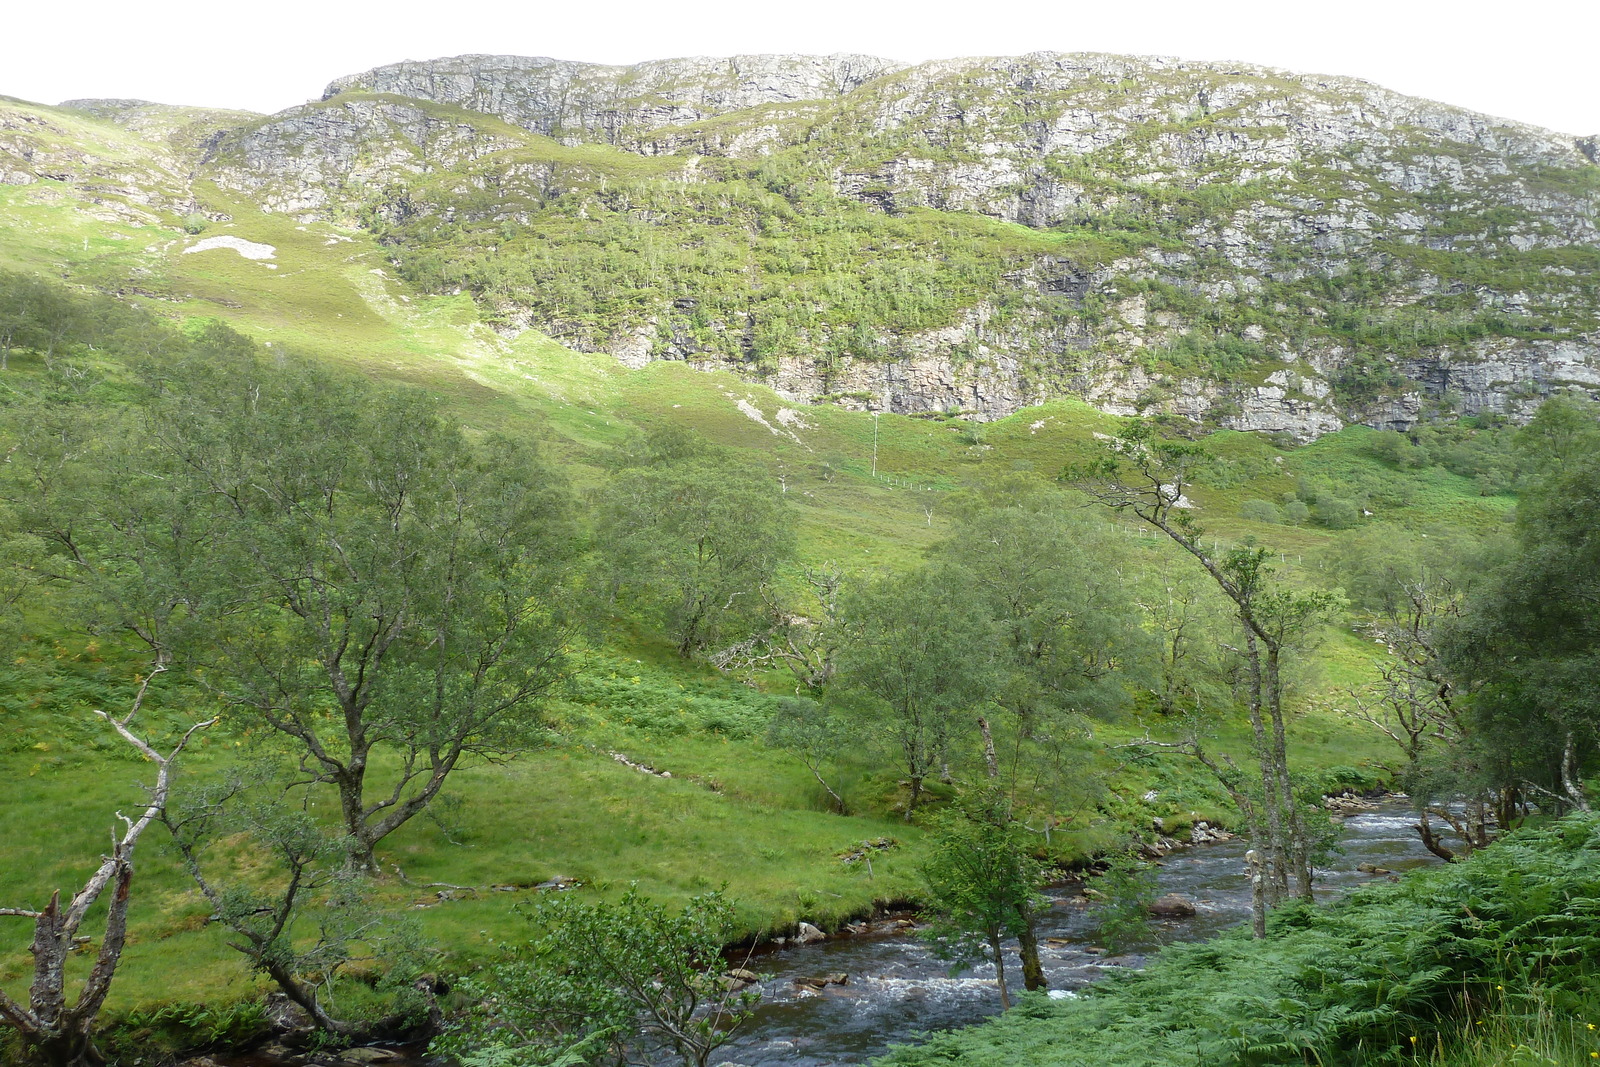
pixel 1348 804
pixel 360 1057
pixel 1172 906
pixel 740 979
pixel 808 933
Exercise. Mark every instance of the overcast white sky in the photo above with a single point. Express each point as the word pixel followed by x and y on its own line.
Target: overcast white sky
pixel 1532 60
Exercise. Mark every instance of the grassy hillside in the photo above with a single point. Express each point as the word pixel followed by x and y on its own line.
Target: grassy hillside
pixel 869 493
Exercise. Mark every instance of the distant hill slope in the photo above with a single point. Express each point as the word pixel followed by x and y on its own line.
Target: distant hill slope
pixel 1240 245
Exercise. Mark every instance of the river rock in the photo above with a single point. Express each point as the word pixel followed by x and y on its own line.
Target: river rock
pixel 1172 906
pixel 808 933
pixel 1348 803
pixel 1368 868
pixel 1160 847
pixel 821 981
pixel 284 1014
pixel 363 1056
pixel 1203 833
pixel 740 979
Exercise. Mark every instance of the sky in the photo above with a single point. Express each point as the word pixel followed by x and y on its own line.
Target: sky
pixel 1530 60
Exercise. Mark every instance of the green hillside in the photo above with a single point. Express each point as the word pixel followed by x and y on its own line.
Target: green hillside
pixel 108 284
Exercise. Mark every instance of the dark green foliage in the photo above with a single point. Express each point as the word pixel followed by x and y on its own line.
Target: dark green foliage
pixel 80 335
pixel 648 705
pixel 602 981
pixel 1334 513
pixel 983 883
pixel 173 1028
pixel 1351 984
pixel 1366 377
pixel 1049 580
pixel 1260 511
pixel 696 538
pixel 1528 645
pixel 1126 889
pixel 311 542
pixel 919 653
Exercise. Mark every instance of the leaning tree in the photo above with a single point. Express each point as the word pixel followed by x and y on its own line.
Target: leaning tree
pixel 1144 474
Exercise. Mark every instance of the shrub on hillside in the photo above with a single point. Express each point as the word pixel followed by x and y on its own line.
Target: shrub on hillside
pixel 1260 511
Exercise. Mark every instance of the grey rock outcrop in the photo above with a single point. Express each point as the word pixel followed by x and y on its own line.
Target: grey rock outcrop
pixel 576 102
pixel 1239 245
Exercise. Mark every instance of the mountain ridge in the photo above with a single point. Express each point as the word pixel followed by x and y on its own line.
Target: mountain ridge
pixel 1226 242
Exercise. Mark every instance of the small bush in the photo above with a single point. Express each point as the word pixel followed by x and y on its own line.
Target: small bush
pixel 1336 514
pixel 1260 511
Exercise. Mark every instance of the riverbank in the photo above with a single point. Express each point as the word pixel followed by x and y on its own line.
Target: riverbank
pixel 734 813
pixel 892 986
pixel 1396 972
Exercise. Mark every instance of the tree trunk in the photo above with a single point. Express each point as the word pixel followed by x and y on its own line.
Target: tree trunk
pixel 305 998
pixel 68 1048
pixel 362 844
pixel 838 800
pixel 1000 971
pixel 1258 896
pixel 1431 840
pixel 58 1035
pixel 989 759
pixel 1273 859
pixel 1299 848
pixel 1028 942
pixel 1570 783
pixel 916 795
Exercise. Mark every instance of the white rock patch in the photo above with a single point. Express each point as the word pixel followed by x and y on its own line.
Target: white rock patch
pixel 1170 493
pixel 750 411
pixel 786 418
pixel 247 249
pixel 793 419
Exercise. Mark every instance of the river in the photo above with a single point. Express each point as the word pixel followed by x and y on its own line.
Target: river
pixel 896 987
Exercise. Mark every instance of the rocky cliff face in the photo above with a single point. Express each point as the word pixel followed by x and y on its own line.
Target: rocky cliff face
pixel 578 102
pixel 1235 244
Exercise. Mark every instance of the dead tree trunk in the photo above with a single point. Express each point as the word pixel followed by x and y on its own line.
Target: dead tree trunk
pixel 56 1033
